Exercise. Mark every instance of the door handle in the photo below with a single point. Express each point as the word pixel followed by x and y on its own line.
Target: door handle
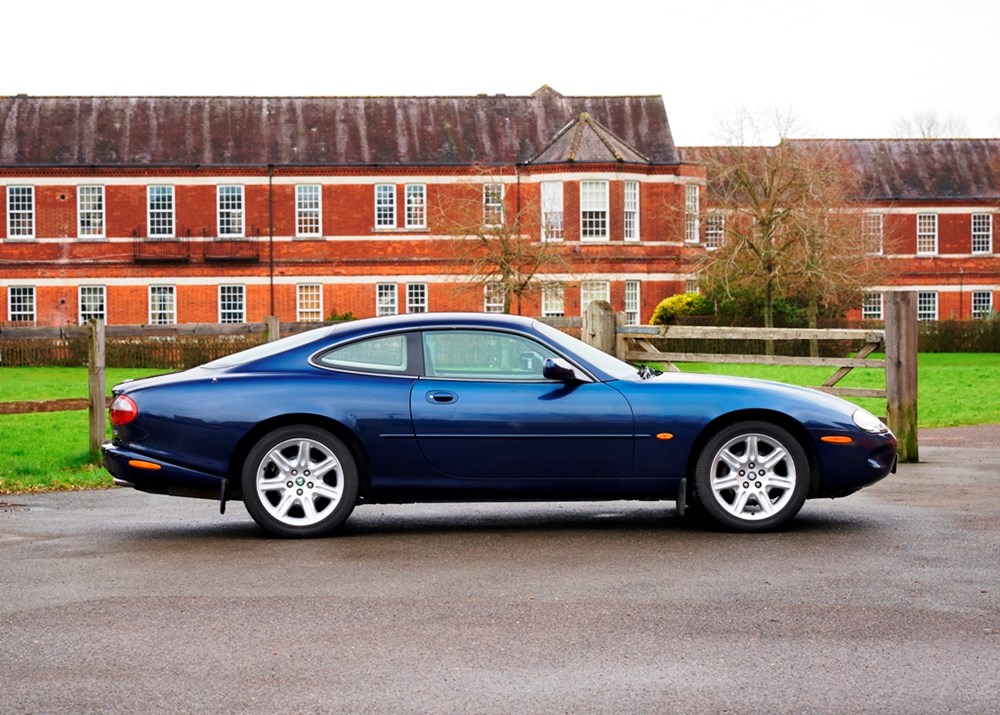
pixel 441 397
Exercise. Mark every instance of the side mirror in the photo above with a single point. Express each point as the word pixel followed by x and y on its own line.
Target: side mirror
pixel 559 369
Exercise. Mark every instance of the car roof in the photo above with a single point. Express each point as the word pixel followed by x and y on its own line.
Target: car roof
pixel 437 320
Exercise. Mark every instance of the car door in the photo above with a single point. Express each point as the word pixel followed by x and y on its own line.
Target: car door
pixel 483 410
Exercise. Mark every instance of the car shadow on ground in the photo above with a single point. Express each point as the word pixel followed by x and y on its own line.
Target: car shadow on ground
pixel 622 518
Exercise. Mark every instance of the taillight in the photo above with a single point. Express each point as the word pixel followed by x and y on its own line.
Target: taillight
pixel 123 410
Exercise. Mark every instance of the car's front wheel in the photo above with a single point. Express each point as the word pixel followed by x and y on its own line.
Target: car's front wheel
pixel 752 476
pixel 300 481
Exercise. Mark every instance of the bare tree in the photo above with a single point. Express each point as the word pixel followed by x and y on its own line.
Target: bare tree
pixel 497 237
pixel 792 223
pixel 927 124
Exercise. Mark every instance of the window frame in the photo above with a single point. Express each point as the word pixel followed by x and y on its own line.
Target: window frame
pixel 715 230
pixel 870 311
pixel 553 295
pixel 84 294
pixel 24 228
pixel 309 302
pixel 633 302
pixel 631 214
pixel 417 298
pixel 153 312
pixel 592 286
pixel 228 313
pixel 984 234
pixel 594 210
pixel 308 211
pixel 25 308
pixel 493 208
pixel 982 312
pixel 924 299
pixel 493 297
pixel 692 213
pixel 156 214
pixel 873 229
pixel 927 232
pixel 228 214
pixel 383 293
pixel 415 205
pixel 385 207
pixel 497 346
pixel 95 213
pixel 553 210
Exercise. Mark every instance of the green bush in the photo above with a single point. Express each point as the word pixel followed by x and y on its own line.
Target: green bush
pixel 681 304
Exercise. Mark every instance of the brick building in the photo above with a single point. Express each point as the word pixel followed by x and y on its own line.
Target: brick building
pixel 214 209
pixel 174 209
pixel 931 205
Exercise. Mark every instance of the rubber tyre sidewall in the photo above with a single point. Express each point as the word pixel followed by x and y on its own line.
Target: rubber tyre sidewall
pixel 703 477
pixel 349 471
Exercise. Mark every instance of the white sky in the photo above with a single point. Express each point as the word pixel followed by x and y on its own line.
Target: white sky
pixel 841 68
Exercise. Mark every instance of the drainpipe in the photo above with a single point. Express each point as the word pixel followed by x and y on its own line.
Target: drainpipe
pixel 270 231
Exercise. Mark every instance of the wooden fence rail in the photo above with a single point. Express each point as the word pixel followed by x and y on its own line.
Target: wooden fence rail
pixel 605 329
pixel 601 327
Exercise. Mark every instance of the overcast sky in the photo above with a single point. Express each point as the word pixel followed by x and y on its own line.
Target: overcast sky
pixel 842 68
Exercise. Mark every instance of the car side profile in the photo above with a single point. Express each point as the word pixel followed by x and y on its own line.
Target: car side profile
pixel 477 407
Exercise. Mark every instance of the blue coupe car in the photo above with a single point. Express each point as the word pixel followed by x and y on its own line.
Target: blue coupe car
pixel 475 407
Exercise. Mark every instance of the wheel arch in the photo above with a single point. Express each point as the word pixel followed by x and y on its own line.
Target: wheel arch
pixel 793 426
pixel 332 426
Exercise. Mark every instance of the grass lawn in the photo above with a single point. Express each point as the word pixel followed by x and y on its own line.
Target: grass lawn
pixel 953 388
pixel 49 450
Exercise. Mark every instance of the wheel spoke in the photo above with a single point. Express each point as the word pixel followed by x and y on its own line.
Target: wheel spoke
pixel 731 460
pixel 279 461
pixel 773 481
pixel 329 491
pixel 319 470
pixel 764 502
pixel 740 502
pixel 730 481
pixel 284 505
pixel 769 461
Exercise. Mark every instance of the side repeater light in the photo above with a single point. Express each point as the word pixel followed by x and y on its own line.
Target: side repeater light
pixel 836 439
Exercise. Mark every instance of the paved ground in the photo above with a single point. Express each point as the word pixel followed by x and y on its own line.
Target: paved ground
pixel 887 601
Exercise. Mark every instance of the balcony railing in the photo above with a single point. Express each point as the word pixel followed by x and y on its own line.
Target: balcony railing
pixel 147 249
pixel 231 249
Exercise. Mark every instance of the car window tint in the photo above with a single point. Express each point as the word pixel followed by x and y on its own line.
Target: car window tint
pixel 382 354
pixel 483 355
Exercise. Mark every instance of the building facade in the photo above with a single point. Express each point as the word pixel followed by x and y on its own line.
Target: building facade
pixel 201 210
pixel 191 210
pixel 929 208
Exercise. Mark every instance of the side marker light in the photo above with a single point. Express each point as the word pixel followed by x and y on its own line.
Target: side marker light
pixel 664 435
pixel 836 439
pixel 140 464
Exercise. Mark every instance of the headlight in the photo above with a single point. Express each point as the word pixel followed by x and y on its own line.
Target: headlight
pixel 868 422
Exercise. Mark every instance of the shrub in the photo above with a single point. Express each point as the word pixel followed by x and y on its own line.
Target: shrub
pixel 681 304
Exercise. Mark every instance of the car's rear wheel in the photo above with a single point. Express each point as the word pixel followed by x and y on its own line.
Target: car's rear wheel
pixel 300 481
pixel 752 476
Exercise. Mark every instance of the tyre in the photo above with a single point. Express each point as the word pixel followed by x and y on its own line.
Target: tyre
pixel 752 476
pixel 300 481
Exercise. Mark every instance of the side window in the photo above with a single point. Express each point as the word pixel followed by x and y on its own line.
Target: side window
pixel 483 355
pixel 382 354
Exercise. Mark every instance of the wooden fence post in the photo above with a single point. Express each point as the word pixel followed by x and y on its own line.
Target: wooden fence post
pixel 273 328
pixel 96 386
pixel 599 323
pixel 901 371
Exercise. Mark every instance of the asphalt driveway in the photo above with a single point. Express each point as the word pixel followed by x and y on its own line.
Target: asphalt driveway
pixel 887 601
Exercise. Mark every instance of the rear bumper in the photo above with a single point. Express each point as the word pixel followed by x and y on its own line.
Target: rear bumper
pixel 149 474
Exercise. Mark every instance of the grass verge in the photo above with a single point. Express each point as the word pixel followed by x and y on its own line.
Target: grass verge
pixel 48 451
